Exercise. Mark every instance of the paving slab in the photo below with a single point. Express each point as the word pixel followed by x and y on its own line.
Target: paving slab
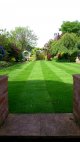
pixel 21 125
pixel 59 125
pixel 44 124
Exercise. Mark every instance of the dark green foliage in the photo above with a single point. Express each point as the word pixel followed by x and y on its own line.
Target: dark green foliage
pixel 14 42
pixel 23 37
pixel 73 54
pixel 4 64
pixel 78 43
pixel 68 40
pixel 15 52
pixel 49 56
pixel 70 27
pixel 40 55
pixel 66 47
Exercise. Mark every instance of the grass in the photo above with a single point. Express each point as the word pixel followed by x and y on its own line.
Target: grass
pixel 41 87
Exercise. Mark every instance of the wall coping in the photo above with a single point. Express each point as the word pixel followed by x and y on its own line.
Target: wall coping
pixel 76 76
pixel 3 77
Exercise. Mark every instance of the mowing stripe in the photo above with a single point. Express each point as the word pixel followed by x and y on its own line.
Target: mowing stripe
pixel 60 92
pixel 15 73
pixel 48 72
pixel 17 89
pixel 31 90
pixel 67 67
pixel 36 90
pixel 12 68
pixel 76 65
pixel 62 74
pixel 39 87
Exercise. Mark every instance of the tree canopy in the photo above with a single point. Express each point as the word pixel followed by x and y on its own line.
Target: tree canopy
pixel 71 27
pixel 23 37
pixel 16 41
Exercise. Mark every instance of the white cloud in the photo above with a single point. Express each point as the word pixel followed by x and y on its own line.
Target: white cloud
pixel 43 16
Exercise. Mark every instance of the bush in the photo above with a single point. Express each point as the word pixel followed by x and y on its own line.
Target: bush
pixel 63 56
pixel 40 55
pixel 73 55
pixel 49 57
pixel 14 52
pixel 2 52
pixel 4 64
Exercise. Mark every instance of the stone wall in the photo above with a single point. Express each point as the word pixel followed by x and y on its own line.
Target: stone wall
pixel 76 97
pixel 3 98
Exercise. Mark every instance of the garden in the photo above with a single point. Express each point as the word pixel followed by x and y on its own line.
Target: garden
pixel 40 80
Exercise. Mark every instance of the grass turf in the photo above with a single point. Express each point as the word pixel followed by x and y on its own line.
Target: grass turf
pixel 41 87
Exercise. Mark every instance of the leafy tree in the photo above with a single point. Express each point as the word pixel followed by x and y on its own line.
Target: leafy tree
pixel 40 54
pixel 14 52
pixel 4 40
pixel 69 40
pixel 14 42
pixel 23 37
pixel 70 27
pixel 66 47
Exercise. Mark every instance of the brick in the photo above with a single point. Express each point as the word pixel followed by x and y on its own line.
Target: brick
pixel 3 98
pixel 76 97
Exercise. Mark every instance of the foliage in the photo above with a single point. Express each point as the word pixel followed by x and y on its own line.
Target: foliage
pixel 49 57
pixel 4 64
pixel 4 39
pixel 78 43
pixel 23 37
pixel 69 40
pixel 40 55
pixel 73 54
pixel 2 52
pixel 68 43
pixel 15 52
pixel 70 27
pixel 67 46
pixel 15 41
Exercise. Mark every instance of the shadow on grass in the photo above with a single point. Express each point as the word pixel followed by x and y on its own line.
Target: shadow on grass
pixel 39 96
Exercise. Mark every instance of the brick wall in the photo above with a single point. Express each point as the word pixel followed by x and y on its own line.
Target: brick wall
pixel 3 98
pixel 76 97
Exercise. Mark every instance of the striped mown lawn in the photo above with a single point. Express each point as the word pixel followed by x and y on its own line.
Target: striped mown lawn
pixel 41 86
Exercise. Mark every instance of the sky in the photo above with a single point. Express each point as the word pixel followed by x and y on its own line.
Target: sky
pixel 44 17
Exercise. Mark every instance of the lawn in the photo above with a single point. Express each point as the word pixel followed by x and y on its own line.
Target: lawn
pixel 41 86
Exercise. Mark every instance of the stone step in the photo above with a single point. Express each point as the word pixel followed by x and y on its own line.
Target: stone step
pixel 44 124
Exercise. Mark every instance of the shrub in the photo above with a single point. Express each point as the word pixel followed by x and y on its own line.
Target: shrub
pixel 2 52
pixel 64 56
pixel 14 52
pixel 49 56
pixel 73 55
pixel 59 55
pixel 40 55
pixel 4 64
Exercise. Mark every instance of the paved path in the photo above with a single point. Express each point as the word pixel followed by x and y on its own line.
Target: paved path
pixel 61 124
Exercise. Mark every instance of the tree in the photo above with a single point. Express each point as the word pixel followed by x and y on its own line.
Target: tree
pixel 14 52
pixel 69 40
pixel 70 27
pixel 4 38
pixel 23 37
pixel 16 41
pixel 2 52
pixel 66 47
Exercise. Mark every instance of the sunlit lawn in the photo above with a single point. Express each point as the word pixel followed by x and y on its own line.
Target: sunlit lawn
pixel 41 86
